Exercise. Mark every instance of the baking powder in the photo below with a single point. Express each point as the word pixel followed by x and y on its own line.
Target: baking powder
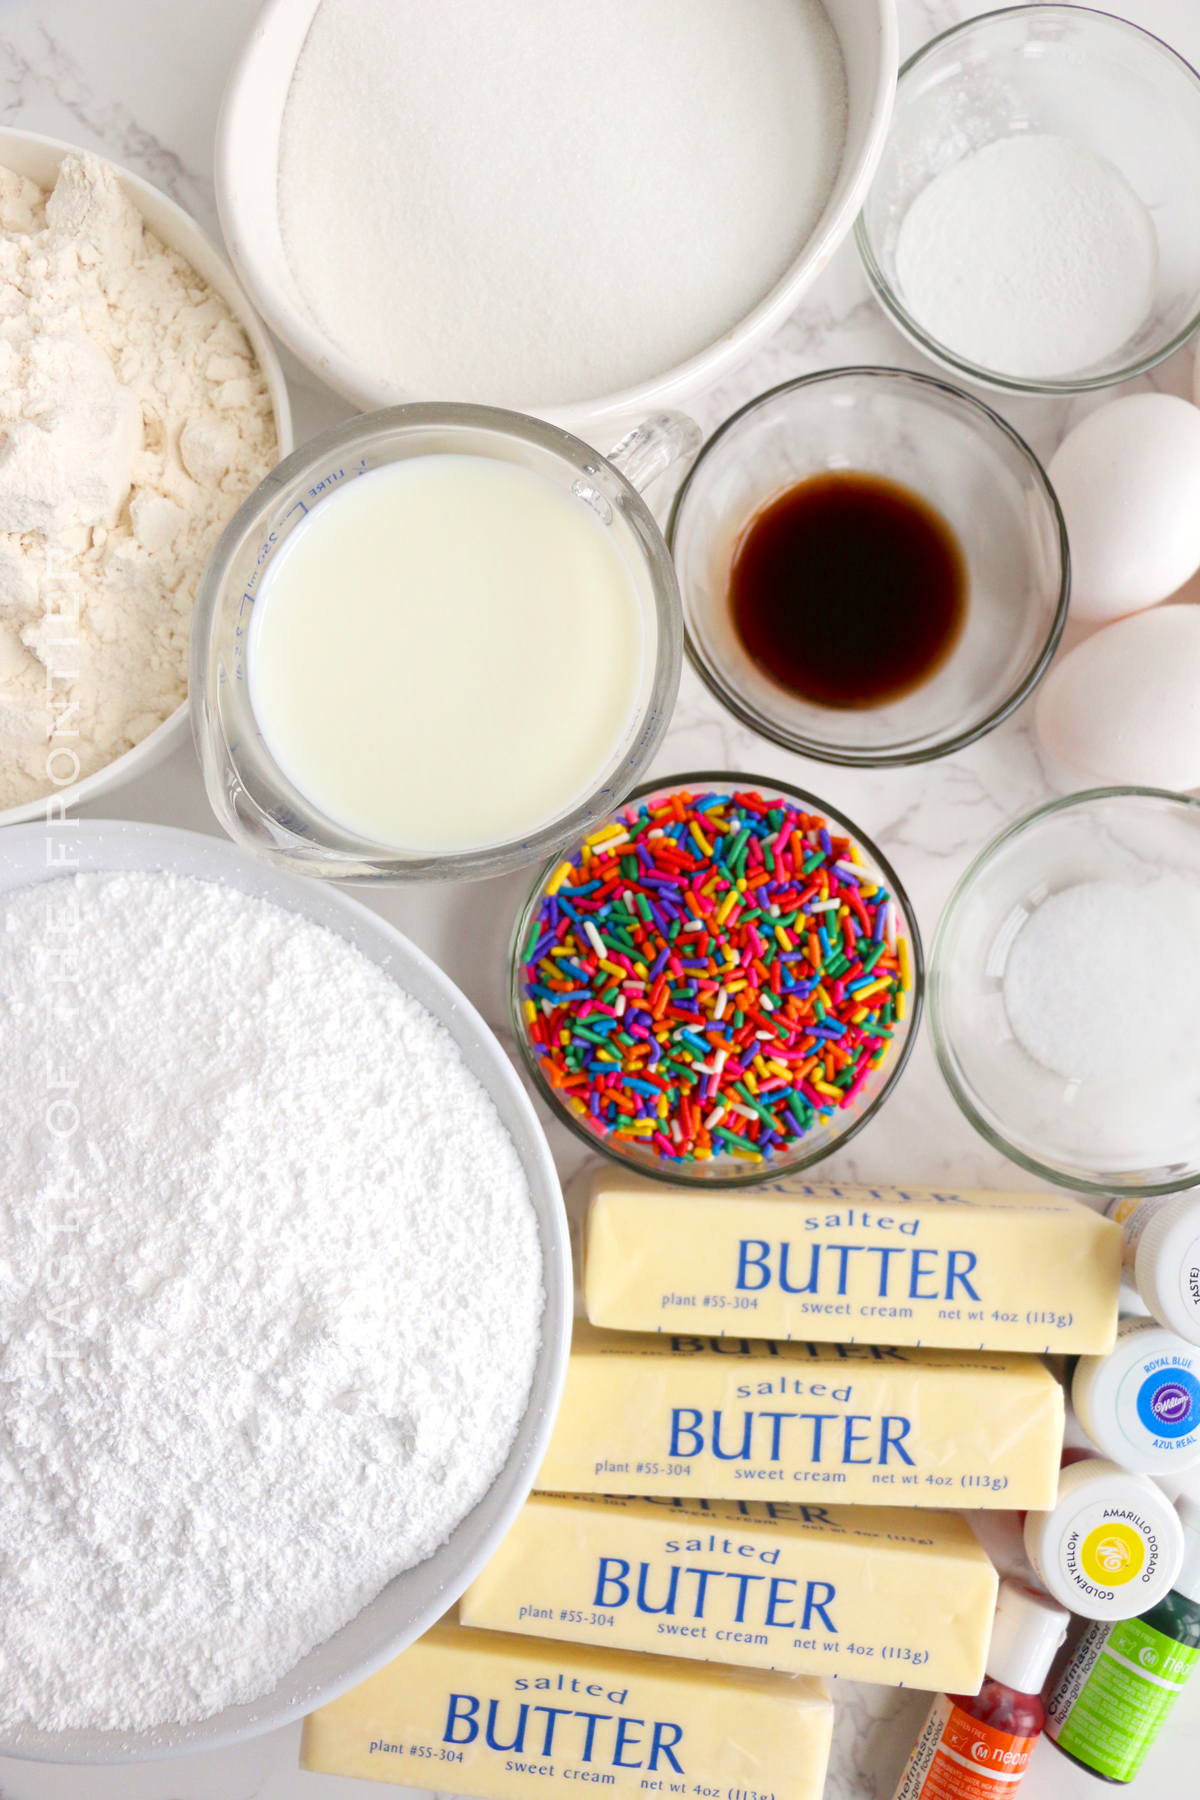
pixel 1032 257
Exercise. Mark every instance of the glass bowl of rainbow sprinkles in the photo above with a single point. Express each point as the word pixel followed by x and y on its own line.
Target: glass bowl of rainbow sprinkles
pixel 719 985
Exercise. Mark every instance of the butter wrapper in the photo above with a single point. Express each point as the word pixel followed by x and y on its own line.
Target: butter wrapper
pixel 827 1263
pixel 882 1594
pixel 480 1712
pixel 725 1418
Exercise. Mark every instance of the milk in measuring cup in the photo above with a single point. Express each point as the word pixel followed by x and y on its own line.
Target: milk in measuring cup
pixel 446 653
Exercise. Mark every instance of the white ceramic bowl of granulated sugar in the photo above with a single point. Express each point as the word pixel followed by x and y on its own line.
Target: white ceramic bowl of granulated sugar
pixel 29 154
pixel 609 148
pixel 414 1599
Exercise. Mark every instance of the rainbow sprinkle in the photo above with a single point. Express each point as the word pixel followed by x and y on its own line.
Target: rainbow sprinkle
pixel 712 975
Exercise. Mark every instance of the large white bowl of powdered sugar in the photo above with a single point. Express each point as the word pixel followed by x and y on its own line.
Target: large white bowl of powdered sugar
pixel 584 213
pixel 142 401
pixel 285 1294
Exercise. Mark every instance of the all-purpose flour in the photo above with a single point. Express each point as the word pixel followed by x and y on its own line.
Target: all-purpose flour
pixel 268 1313
pixel 550 200
pixel 133 422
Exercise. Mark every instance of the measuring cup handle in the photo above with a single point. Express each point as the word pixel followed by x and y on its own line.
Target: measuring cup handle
pixel 656 445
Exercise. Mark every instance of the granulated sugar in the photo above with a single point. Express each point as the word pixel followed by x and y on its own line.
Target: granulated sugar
pixel 548 201
pixel 268 1316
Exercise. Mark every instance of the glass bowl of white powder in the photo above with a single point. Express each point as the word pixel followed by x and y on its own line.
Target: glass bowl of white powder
pixel 1032 223
pixel 282 1372
pixel 1064 985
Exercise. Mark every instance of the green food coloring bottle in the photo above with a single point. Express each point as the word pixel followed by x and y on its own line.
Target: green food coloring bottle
pixel 1124 1676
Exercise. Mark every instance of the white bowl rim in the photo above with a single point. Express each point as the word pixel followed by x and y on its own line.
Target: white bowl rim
pixel 173 730
pixel 109 844
pixel 673 386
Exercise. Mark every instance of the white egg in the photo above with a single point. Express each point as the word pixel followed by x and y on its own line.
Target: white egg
pixel 1128 481
pixel 1124 706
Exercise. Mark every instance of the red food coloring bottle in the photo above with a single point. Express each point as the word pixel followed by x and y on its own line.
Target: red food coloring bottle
pixel 976 1746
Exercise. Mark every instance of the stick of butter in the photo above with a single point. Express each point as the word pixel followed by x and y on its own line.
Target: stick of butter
pixel 905 1598
pixel 970 1271
pixel 480 1712
pixel 730 1418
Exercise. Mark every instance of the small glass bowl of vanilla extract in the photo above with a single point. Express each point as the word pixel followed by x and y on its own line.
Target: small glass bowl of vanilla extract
pixel 873 565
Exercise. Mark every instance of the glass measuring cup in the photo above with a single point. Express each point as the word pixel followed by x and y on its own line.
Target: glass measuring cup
pixel 252 797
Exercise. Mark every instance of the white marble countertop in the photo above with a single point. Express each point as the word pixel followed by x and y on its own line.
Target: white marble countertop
pixel 141 80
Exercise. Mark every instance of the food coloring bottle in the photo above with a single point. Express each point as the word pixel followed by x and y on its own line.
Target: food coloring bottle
pixel 1122 1680
pixel 1110 1546
pixel 976 1746
pixel 1140 1404
pixel 1162 1258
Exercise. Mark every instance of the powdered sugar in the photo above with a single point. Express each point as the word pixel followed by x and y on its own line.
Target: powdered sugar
pixel 133 421
pixel 1032 257
pixel 549 201
pixel 267 1334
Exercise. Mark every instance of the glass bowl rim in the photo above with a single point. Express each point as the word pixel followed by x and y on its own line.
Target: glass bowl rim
pixel 381 863
pixel 816 748
pixel 940 1038
pixel 767 1171
pixel 890 300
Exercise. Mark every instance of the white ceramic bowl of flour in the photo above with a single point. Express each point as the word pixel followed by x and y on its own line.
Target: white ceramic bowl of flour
pixel 38 157
pixel 248 198
pixel 413 1600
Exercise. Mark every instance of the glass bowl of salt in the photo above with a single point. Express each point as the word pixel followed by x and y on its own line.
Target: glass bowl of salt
pixel 1063 988
pixel 1032 225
